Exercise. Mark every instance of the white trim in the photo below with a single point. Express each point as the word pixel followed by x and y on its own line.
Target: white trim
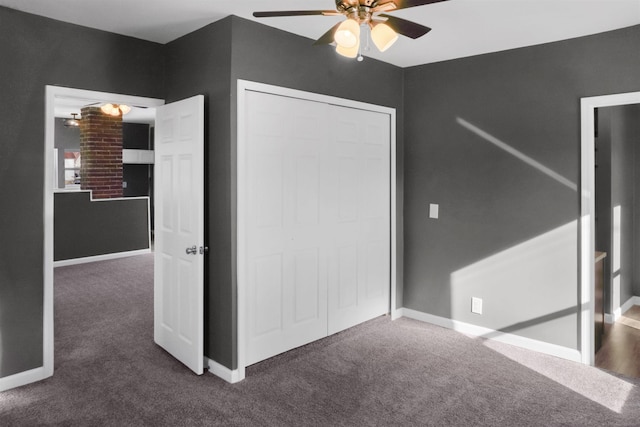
pixel 133 156
pixel 490 334
pixel 618 312
pixel 609 319
pixel 23 378
pixel 243 87
pixel 230 376
pixel 587 215
pixel 393 218
pixel 95 258
pixel 51 94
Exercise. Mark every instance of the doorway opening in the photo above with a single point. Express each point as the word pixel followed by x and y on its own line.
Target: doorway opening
pixel 62 97
pixel 589 107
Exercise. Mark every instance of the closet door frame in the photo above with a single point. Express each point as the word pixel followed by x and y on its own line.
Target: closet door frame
pixel 245 86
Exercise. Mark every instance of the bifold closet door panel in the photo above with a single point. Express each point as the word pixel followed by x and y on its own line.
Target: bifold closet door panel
pixel 359 261
pixel 286 237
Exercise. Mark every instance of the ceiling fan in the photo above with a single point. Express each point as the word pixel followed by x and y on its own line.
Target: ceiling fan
pixel 384 29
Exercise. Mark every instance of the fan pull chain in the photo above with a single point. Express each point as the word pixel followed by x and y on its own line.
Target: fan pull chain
pixel 366 48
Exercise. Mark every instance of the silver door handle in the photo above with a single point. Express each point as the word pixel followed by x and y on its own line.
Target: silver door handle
pixel 192 250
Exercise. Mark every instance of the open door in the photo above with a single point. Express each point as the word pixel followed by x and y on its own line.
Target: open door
pixel 179 231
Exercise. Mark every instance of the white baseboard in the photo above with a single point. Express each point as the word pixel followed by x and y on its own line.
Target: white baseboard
pixel 480 331
pixel 612 318
pixel 230 376
pixel 105 257
pixel 23 378
pixel 609 318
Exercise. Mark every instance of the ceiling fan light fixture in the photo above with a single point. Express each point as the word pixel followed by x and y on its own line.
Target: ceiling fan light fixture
pixel 73 122
pixel 383 36
pixel 349 52
pixel 115 109
pixel 348 34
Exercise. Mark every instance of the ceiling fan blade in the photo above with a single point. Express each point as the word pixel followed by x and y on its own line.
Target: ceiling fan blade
pixel 405 4
pixel 296 13
pixel 327 38
pixel 387 6
pixel 406 28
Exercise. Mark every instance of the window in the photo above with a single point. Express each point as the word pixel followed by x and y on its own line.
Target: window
pixel 71 168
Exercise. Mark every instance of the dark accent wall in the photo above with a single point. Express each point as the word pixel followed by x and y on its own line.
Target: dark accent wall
pixel 209 61
pixel 46 52
pixel 137 177
pixel 83 227
pixel 135 136
pixel 492 203
pixel 200 63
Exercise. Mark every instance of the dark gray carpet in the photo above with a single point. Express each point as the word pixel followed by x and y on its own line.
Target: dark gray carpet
pixel 110 373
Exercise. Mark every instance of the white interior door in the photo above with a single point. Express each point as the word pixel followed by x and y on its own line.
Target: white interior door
pixel 359 268
pixel 287 282
pixel 317 220
pixel 179 231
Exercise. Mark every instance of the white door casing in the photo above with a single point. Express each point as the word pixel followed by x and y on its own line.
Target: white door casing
pixel 317 220
pixel 54 94
pixel 588 106
pixel 179 231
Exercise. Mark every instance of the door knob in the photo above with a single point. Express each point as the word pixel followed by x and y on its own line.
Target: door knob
pixel 192 250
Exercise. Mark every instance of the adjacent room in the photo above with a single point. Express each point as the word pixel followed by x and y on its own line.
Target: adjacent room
pixel 293 214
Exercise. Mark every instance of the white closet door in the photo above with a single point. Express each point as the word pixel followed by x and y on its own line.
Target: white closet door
pixel 317 220
pixel 359 262
pixel 286 235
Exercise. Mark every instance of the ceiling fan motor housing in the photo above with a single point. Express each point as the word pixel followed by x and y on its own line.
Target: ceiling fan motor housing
pixel 360 10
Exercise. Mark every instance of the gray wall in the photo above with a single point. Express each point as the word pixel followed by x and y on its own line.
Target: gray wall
pixel 46 52
pixel 200 63
pixel 209 61
pixel 507 232
pixel 84 228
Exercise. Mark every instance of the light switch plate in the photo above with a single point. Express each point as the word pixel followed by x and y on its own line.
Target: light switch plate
pixel 434 210
pixel 476 305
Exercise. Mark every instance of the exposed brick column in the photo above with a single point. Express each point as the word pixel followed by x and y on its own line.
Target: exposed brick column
pixel 101 153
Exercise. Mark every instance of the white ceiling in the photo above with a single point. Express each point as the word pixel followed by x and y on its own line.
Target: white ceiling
pixel 460 27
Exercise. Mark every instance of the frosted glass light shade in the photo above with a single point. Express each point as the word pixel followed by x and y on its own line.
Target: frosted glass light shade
pixel 108 109
pixel 349 52
pixel 115 109
pixel 383 36
pixel 348 34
